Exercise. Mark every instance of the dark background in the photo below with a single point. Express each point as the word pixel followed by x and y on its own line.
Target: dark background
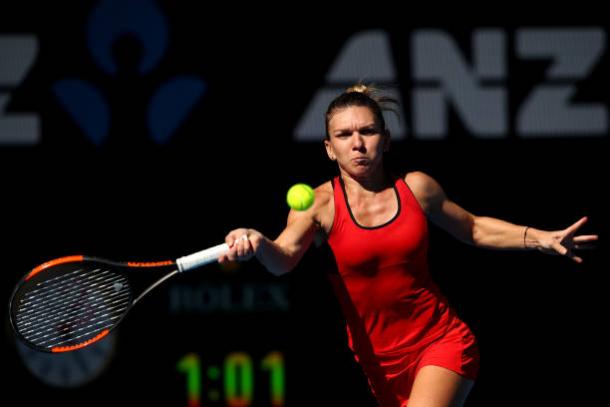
pixel 540 320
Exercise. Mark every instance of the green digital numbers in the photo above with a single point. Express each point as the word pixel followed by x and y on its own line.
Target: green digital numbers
pixel 237 376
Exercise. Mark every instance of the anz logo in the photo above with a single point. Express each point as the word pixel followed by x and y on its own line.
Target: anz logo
pixel 82 98
pixel 477 85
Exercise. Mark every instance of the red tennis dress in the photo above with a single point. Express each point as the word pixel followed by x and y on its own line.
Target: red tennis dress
pixel 397 319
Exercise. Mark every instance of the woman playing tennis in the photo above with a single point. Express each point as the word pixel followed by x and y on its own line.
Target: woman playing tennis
pixel 410 343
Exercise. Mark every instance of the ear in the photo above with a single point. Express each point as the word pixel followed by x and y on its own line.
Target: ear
pixel 329 150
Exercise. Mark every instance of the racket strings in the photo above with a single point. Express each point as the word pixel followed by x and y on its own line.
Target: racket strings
pixel 41 309
pixel 72 307
pixel 65 298
pixel 65 309
pixel 74 336
pixel 71 318
pixel 60 280
pixel 62 284
pixel 94 315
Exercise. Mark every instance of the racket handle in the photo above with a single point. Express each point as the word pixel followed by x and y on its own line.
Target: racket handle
pixel 201 258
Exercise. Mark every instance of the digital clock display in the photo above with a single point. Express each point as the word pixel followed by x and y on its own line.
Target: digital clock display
pixel 232 382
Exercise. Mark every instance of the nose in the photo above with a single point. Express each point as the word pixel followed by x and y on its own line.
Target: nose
pixel 358 141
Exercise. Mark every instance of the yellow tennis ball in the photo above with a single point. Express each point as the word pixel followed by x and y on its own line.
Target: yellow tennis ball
pixel 300 197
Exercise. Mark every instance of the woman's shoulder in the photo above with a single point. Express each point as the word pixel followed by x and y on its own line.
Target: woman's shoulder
pixel 425 188
pixel 325 187
pixel 324 193
pixel 419 180
pixel 324 208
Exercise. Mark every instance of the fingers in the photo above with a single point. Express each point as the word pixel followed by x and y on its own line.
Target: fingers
pixel 585 242
pixel 565 241
pixel 576 225
pixel 560 249
pixel 564 251
pixel 585 238
pixel 240 248
pixel 233 236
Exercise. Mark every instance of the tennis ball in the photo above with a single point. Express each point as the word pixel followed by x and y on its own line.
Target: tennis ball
pixel 300 197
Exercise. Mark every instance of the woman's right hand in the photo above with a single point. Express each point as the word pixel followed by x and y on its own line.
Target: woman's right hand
pixel 243 245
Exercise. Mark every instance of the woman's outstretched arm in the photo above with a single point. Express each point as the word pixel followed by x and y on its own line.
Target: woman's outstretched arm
pixel 281 255
pixel 493 233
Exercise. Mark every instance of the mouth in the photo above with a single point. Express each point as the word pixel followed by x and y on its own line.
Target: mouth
pixel 360 161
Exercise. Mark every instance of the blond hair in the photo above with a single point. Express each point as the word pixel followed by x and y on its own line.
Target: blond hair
pixel 361 94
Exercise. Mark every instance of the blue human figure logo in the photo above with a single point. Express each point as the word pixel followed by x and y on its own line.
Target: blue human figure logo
pixel 143 21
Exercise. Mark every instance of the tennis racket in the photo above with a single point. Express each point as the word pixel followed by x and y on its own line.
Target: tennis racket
pixel 71 302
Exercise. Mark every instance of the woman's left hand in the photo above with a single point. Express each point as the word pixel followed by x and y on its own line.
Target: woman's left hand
pixel 563 242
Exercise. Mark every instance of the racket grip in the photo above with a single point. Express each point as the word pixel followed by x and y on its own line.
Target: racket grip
pixel 201 258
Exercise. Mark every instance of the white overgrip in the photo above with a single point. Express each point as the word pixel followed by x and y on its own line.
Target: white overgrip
pixel 201 258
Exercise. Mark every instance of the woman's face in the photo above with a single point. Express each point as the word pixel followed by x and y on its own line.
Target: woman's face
pixel 356 141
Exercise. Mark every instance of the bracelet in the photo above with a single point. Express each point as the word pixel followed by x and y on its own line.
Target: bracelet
pixel 524 235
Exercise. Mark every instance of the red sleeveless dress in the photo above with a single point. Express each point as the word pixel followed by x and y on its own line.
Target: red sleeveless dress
pixel 397 318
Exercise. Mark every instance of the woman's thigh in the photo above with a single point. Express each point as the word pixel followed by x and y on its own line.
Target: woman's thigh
pixel 436 386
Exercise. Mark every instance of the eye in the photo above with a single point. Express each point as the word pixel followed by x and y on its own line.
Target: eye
pixel 369 131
